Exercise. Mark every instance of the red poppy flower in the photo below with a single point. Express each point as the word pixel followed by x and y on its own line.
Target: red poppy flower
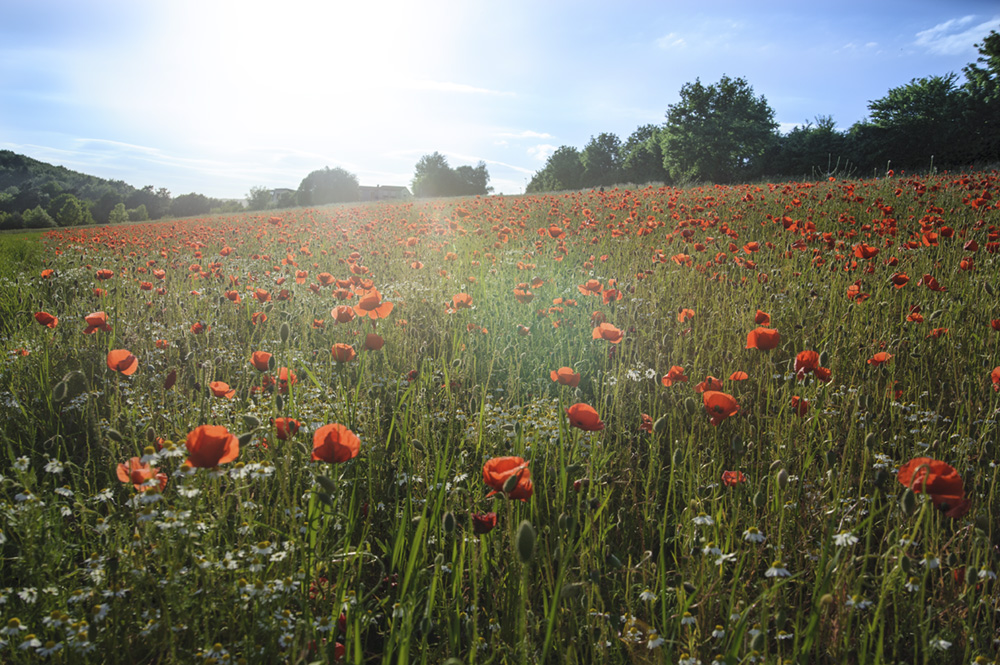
pixel 937 332
pixel 96 321
pixel 334 444
pixel 286 378
pixel 257 317
pixel 930 283
pixel 719 405
pixel 483 522
pixel 764 339
pixel 584 416
pixel 261 360
pixel 710 383
pixel 938 479
pixel 675 375
pixel 523 296
pixel 995 324
pixel 221 389
pixel 733 478
pixel 123 362
pixel 762 318
pixel 566 376
pixel 286 428
pixel 105 274
pixel 198 327
pixel 899 279
pixel 995 378
pixel 343 313
pixel 800 406
pixel 497 471
pixel 46 319
pixel 137 473
pixel 343 353
pixel 460 301
pixel 806 361
pixel 608 332
pixel 685 315
pixel 373 342
pixel 209 446
pixel 646 423
pixel 880 358
pixel 739 375
pixel 592 287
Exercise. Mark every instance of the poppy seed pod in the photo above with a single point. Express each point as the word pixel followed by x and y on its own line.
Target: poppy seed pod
pixel 908 502
pixel 525 541
pixel 448 522
pixel 284 332
pixel 782 478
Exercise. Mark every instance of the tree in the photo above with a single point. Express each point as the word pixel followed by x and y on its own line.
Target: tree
pixel 563 170
pixel 37 218
pixel 602 160
pixel 981 114
pixel 259 198
pixel 328 186
pixel 718 132
pixel 471 181
pixel 118 214
pixel 917 122
pixel 432 176
pixel 157 202
pixel 139 214
pixel 642 157
pixel 809 148
pixel 101 209
pixel 189 205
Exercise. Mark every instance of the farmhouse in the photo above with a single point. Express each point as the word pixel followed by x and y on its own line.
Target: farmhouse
pixel 383 193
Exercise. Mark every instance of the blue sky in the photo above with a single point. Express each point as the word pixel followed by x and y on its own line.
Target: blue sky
pixel 218 97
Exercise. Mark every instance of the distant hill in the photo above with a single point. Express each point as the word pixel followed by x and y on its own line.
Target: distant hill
pixel 35 194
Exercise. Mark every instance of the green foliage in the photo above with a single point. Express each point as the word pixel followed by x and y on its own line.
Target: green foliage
pixel 138 214
pixel 118 214
pixel 37 218
pixel 156 202
pixel 328 186
pixel 190 205
pixel 642 156
pixel 563 171
pixel 717 133
pixel 432 177
pixel 602 160
pixel 259 198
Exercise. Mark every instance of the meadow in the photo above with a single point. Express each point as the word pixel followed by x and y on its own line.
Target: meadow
pixel 729 424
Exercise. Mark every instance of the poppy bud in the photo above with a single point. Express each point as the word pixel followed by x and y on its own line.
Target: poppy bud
pixel 251 421
pixel 525 541
pixel 908 502
pixel 691 407
pixel 245 438
pixel 279 402
pixel 830 457
pixel 448 522
pixel 826 599
pixel 660 425
pixel 677 457
pixel 759 500
pixel 115 435
pixel 511 483
pixel 880 477
pixel 989 289
pixel 571 591
pixel 757 644
pixel 285 331
pixel 326 483
pixel 905 564
pixel 782 478
pixel 782 619
pixel 567 523
pixel 689 588
pixel 824 358
pixel 457 362
pixel 325 498
pixel 573 469
pixel 736 443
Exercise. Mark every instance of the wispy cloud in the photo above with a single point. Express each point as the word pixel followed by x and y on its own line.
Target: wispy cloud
pixel 671 40
pixel 526 134
pixel 956 36
pixel 542 151
pixel 447 86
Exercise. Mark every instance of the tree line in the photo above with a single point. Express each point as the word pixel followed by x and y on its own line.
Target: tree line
pixel 725 133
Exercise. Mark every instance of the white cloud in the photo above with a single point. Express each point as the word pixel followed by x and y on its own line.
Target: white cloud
pixel 542 151
pixel 526 134
pixel 446 86
pixel 671 40
pixel 956 36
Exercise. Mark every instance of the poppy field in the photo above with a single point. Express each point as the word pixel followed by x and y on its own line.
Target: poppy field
pixel 739 424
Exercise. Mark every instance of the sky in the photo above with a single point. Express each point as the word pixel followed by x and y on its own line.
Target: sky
pixel 217 97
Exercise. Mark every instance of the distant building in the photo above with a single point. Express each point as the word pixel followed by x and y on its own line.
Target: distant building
pixel 383 193
pixel 276 194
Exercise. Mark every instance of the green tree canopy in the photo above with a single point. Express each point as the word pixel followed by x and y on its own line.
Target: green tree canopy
pixel 602 160
pixel 328 186
pixel 563 170
pixel 432 176
pixel 189 205
pixel 717 132
pixel 642 156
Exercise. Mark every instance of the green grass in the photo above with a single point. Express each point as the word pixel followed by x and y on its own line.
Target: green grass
pixel 641 553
